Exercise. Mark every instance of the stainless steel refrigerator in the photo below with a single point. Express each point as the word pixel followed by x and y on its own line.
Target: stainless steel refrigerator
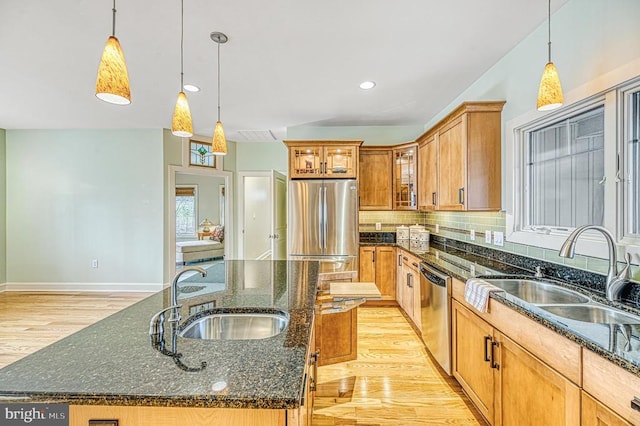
pixel 323 220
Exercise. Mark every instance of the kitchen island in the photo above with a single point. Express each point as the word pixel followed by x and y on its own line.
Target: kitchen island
pixel 111 369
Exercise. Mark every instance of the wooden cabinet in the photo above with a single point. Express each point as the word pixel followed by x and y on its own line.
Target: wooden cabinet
pixel 528 392
pixel 378 264
pixel 472 340
pixel 323 159
pixel 596 414
pixel 336 334
pixel 375 178
pixel 405 179
pixel 428 180
pixel 612 386
pixel 465 147
pixel 511 368
pixel 408 288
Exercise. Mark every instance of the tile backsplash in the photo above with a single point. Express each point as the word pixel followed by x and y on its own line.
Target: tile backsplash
pixel 457 226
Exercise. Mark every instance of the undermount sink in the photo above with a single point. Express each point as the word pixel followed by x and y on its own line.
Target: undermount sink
pixel 592 313
pixel 236 326
pixel 538 292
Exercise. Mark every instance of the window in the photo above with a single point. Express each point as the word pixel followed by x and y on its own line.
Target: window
pixel 564 167
pixel 186 211
pixel 631 176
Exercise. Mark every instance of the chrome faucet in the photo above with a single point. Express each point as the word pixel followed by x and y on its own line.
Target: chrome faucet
pixel 615 280
pixel 175 313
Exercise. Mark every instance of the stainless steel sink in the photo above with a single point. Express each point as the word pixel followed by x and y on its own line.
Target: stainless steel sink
pixel 538 292
pixel 236 326
pixel 592 313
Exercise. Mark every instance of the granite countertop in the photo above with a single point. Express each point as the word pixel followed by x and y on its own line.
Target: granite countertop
pixel 114 362
pixel 596 337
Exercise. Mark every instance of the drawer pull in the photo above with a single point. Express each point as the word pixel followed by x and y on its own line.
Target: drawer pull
pixel 635 403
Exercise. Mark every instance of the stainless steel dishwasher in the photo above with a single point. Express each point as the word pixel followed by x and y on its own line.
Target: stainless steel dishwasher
pixel 435 307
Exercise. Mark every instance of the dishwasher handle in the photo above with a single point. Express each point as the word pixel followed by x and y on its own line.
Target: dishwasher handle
pixel 433 276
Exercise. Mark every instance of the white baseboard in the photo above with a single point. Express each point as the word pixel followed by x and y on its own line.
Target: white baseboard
pixel 85 287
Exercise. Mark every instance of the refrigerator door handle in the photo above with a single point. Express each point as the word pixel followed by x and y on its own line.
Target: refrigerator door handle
pixel 321 221
pixel 324 218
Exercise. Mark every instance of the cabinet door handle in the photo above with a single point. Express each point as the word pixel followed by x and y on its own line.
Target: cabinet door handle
pixel 409 280
pixel 487 339
pixel 373 256
pixel 314 361
pixel 635 403
pixel 461 195
pixel 433 198
pixel 399 260
pixel 493 363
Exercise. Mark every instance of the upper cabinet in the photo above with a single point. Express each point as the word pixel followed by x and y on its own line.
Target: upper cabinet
pixel 460 162
pixel 376 177
pixel 323 159
pixel 405 166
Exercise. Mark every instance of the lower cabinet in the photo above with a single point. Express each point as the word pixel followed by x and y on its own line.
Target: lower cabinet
pixel 378 265
pixel 472 341
pixel 408 286
pixel 337 337
pixel 596 414
pixel 613 387
pixel 81 415
pixel 508 384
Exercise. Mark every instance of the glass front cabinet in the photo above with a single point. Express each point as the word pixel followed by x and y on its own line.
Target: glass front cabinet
pixel 405 177
pixel 323 159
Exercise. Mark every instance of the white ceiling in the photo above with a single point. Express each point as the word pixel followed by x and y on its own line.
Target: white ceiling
pixel 287 62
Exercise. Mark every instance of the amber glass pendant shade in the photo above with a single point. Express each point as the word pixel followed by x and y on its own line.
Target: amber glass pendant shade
pixel 550 92
pixel 181 125
pixel 219 145
pixel 112 83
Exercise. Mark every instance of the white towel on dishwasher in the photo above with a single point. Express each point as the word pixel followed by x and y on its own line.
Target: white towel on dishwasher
pixel 476 292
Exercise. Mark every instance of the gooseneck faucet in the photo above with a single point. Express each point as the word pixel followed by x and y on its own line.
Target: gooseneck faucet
pixel 175 313
pixel 615 280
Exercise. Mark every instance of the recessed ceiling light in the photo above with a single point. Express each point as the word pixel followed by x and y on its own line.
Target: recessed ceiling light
pixel 191 88
pixel 366 85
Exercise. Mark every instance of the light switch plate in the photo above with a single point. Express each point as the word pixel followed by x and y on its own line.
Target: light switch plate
pixel 437 228
pixel 472 235
pixel 498 238
pixel 378 226
pixel 487 237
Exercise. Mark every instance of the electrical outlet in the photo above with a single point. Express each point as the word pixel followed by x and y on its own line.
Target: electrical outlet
pixel 498 238
pixel 94 263
pixel 487 237
pixel 472 269
pixel 437 228
pixel 472 235
pixel 378 226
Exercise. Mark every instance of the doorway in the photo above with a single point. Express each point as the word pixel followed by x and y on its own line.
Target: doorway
pixel 262 202
pixel 212 191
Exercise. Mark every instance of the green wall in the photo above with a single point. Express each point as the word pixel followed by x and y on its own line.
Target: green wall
pixel 78 195
pixel 261 156
pixel 3 207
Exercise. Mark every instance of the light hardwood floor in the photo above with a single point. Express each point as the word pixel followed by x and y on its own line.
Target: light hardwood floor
pixel 393 382
pixel 31 321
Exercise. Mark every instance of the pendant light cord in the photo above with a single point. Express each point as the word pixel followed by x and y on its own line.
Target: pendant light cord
pixel 181 45
pixel 549 31
pixel 218 81
pixel 113 26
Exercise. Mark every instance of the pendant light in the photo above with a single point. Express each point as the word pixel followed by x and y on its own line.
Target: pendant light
pixel 181 124
pixel 219 144
pixel 112 83
pixel 550 91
